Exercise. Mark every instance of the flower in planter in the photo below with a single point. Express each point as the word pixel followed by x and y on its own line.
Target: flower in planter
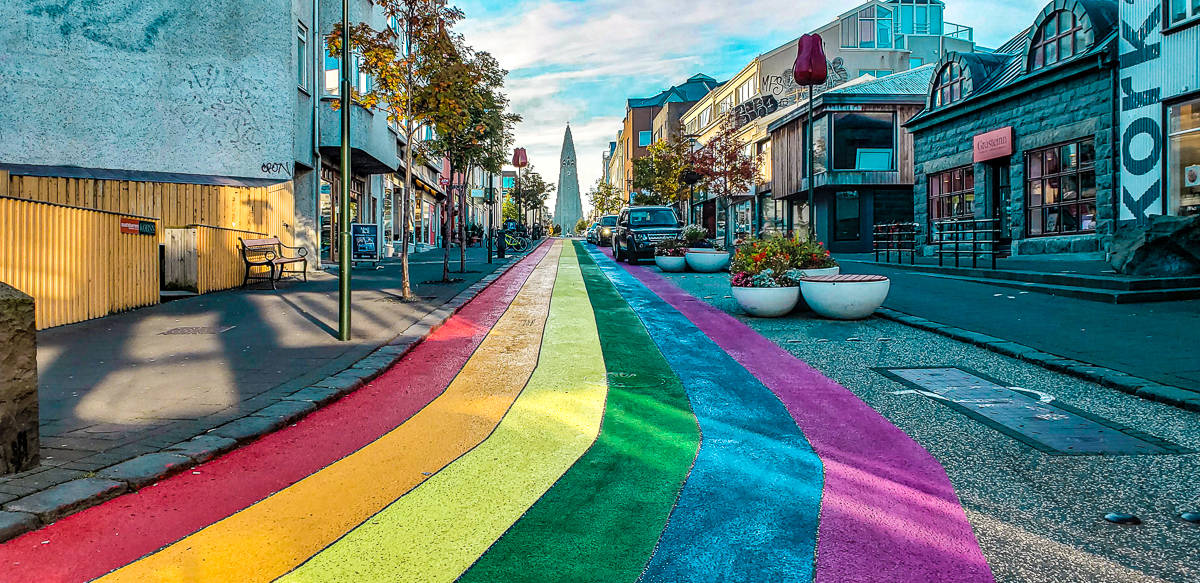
pixel 670 248
pixel 776 261
pixel 695 236
pixel 764 279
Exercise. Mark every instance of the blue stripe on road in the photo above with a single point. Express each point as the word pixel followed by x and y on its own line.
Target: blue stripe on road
pixel 749 508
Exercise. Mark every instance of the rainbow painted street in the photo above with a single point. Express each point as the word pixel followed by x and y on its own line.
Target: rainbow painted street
pixel 577 421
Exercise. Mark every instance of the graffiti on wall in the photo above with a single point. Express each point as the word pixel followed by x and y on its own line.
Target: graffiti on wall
pixel 1141 146
pixel 786 92
pixel 124 25
pixel 220 95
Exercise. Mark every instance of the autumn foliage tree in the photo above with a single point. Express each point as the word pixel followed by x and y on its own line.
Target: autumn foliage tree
pixel 531 191
pixel 606 199
pixel 725 165
pixel 660 174
pixel 413 69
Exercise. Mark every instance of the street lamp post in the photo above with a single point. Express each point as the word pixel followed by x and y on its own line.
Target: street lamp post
pixel 344 202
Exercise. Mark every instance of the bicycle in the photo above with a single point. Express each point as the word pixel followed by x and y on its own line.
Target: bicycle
pixel 517 243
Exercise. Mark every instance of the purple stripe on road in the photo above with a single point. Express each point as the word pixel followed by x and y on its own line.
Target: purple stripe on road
pixel 888 511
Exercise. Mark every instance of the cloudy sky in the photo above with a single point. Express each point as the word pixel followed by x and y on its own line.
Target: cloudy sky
pixel 578 61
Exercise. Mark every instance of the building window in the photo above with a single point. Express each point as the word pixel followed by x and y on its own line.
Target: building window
pixel 1061 37
pixel 876 73
pixel 643 139
pixel 874 28
pixel 820 139
pixel 952 194
pixel 332 75
pixel 863 141
pixel 920 17
pixel 847 222
pixel 949 85
pixel 914 62
pixel 1183 158
pixel 302 58
pixel 747 90
pixel 1180 11
pixel 1061 189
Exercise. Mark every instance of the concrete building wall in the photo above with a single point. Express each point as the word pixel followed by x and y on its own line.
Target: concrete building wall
pixel 157 85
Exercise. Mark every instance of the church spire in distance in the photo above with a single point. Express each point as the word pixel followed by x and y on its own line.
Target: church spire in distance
pixel 568 208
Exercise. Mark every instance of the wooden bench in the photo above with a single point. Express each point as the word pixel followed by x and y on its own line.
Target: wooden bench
pixel 269 253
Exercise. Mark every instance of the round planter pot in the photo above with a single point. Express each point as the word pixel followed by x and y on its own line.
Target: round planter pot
pixel 707 260
pixel 853 300
pixel 671 264
pixel 812 272
pixel 767 302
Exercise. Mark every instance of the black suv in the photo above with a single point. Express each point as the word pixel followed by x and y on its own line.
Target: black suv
pixel 639 228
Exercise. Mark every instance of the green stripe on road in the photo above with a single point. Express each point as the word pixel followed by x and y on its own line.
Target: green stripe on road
pixel 602 519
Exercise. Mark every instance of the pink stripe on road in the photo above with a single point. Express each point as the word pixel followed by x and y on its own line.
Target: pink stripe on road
pixel 888 511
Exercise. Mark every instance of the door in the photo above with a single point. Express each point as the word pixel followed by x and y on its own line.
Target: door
pixel 1000 197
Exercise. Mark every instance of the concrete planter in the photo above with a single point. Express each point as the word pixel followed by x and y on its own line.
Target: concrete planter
pixel 707 260
pixel 767 302
pixel 670 264
pixel 813 272
pixel 845 300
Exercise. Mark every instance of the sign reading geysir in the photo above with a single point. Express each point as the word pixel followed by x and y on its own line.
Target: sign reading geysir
pixel 1141 112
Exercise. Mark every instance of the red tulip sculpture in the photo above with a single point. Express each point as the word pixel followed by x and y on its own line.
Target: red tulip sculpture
pixel 520 159
pixel 810 67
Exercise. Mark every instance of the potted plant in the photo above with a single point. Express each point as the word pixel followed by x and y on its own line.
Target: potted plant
pixel 812 258
pixel 695 237
pixel 764 277
pixel 669 255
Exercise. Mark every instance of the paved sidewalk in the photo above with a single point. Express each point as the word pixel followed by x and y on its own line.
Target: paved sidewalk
pixel 1155 341
pixel 116 388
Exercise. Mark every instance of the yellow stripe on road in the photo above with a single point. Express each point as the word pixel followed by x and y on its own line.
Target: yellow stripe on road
pixel 275 535
pixel 440 528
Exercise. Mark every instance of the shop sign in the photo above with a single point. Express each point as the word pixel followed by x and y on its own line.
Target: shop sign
pixel 1141 146
pixel 994 144
pixel 137 227
pixel 364 244
pixel 477 193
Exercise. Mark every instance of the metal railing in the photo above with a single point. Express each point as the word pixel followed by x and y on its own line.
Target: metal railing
pixel 972 237
pixel 898 238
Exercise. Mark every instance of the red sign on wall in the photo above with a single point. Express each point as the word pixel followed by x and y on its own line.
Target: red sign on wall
pixel 994 144
pixel 137 227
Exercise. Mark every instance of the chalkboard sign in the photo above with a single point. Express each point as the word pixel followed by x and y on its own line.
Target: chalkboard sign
pixel 364 244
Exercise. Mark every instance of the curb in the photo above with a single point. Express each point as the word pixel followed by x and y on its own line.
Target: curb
pixel 42 508
pixel 1107 377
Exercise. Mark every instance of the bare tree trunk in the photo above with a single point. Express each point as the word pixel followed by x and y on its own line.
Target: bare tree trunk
pixel 406 292
pixel 462 224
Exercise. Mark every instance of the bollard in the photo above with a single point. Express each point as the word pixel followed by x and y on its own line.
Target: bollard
pixel 501 244
pixel 18 382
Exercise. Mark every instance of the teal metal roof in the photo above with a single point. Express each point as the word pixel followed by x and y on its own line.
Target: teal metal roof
pixel 911 82
pixel 694 89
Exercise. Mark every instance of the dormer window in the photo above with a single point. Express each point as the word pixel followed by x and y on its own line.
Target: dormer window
pixel 948 87
pixel 1061 37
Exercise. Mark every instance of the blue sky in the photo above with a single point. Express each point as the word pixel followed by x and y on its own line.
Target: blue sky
pixel 579 60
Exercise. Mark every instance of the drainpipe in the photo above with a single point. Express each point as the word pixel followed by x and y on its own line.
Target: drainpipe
pixel 318 58
pixel 1115 148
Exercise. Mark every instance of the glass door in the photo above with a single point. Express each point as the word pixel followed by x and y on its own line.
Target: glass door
pixel 1000 198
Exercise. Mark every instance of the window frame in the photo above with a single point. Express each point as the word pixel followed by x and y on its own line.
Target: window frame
pixel 303 56
pixel 1188 21
pixel 1039 45
pixel 935 197
pixel 1076 172
pixel 949 84
pixel 832 148
pixel 645 138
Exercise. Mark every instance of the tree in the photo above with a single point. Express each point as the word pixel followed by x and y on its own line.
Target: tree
pixel 606 199
pixel 509 211
pixel 530 192
pixel 581 225
pixel 725 166
pixel 659 175
pixel 408 64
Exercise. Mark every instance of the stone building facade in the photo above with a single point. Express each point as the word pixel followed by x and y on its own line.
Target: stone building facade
pixel 1026 137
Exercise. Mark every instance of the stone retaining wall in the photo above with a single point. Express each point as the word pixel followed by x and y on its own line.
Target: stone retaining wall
pixel 18 382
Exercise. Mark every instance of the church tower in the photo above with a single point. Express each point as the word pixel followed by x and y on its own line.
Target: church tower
pixel 568 209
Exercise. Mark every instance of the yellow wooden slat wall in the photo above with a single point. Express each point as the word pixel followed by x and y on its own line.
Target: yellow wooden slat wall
pixel 74 262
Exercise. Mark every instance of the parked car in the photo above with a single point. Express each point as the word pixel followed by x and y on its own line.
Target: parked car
pixel 592 233
pixel 639 228
pixel 605 232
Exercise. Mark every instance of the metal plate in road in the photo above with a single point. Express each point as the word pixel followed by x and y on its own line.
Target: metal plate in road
pixel 1029 416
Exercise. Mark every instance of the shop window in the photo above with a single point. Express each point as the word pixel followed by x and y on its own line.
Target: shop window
pixel 1061 189
pixel 1061 37
pixel 847 216
pixel 1180 11
pixel 863 141
pixel 951 194
pixel 1183 158
pixel 948 87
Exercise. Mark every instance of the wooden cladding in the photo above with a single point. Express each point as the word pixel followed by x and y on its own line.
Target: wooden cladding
pixel 76 263
pixel 204 259
pixel 61 240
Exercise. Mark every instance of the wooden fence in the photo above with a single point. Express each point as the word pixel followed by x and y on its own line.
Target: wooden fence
pixel 59 239
pixel 76 262
pixel 203 259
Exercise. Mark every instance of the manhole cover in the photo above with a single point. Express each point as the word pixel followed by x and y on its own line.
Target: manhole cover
pixel 198 330
pixel 1029 416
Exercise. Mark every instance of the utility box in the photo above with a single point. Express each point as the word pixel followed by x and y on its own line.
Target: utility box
pixel 18 382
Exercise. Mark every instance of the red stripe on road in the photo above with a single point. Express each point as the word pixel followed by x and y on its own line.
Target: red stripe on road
pixel 93 542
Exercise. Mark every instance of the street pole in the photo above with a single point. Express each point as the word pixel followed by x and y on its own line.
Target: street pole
pixel 812 140
pixel 344 203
